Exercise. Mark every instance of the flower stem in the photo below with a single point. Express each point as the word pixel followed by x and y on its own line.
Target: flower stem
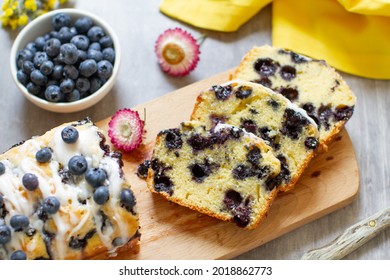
pixel 201 39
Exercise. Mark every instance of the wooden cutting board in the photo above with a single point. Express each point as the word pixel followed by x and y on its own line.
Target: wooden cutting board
pixel 170 231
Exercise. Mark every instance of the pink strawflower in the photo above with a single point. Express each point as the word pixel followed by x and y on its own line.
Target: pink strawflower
pixel 125 130
pixel 177 52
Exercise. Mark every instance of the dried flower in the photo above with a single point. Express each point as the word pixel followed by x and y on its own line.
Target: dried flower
pixel 19 13
pixel 177 52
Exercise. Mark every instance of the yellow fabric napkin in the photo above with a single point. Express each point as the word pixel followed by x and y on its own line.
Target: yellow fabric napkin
pixel 351 35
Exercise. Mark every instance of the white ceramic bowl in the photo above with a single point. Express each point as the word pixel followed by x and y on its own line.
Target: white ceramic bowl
pixel 41 26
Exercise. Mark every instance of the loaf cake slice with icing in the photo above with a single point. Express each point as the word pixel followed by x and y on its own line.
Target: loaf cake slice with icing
pixel 226 173
pixel 63 195
pixel 309 83
pixel 291 133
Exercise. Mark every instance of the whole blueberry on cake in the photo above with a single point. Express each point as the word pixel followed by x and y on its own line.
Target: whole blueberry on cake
pixel 63 195
pixel 291 133
pixel 224 172
pixel 309 83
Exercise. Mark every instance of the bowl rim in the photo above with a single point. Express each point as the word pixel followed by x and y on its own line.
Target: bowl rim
pixel 74 106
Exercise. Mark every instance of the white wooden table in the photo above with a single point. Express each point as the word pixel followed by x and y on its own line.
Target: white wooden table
pixel 138 24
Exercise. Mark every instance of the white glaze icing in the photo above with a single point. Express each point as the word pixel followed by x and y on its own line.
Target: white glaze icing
pixel 68 221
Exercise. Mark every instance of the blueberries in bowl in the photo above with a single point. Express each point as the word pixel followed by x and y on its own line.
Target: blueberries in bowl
pixel 69 63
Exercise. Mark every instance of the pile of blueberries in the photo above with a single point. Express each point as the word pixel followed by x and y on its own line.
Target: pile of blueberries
pixel 69 63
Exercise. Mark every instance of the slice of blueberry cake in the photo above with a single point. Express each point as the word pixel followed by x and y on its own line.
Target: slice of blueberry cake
pixel 63 195
pixel 225 172
pixel 311 84
pixel 285 127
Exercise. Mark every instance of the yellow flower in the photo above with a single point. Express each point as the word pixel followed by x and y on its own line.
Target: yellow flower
pixel 30 5
pixel 6 4
pixel 4 21
pixel 22 20
pixel 15 5
pixel 8 12
pixel 51 4
pixel 13 23
pixel 62 1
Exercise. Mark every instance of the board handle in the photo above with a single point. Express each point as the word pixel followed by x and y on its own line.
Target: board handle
pixel 352 238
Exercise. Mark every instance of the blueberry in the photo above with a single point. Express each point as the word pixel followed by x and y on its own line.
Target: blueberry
pixel 254 155
pixel 19 222
pixel 57 72
pixel 243 92
pixel 34 89
pixel 73 96
pixel 109 54
pixel 82 55
pixel 96 84
pixel 95 46
pixel 43 155
pixel 88 67
pixel 70 134
pixel 45 37
pixel 106 42
pixel 18 255
pixel 31 47
pixel 51 83
pixel 65 35
pixel 104 69
pixel 266 66
pixel 81 42
pixel 22 77
pixel 2 171
pixel 83 84
pixel 59 59
pixel 69 52
pixel 22 56
pixel 40 43
pixel 28 67
pixel 53 93
pixel 101 195
pixel 30 181
pixel 73 31
pixel 83 24
pixel 38 78
pixel 71 72
pixel 311 143
pixel 290 93
pixel 127 198
pixel 39 58
pixel 95 33
pixel 95 55
pixel 47 68
pixel 288 72
pixel 52 47
pixel 54 34
pixel 67 86
pixel 143 169
pixel 77 165
pixel 51 205
pixel 222 93
pixel 96 177
pixel 5 234
pixel 60 20
pixel 84 94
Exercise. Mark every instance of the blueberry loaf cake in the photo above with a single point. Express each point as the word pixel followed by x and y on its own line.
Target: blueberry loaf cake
pixel 311 84
pixel 282 125
pixel 225 172
pixel 63 195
